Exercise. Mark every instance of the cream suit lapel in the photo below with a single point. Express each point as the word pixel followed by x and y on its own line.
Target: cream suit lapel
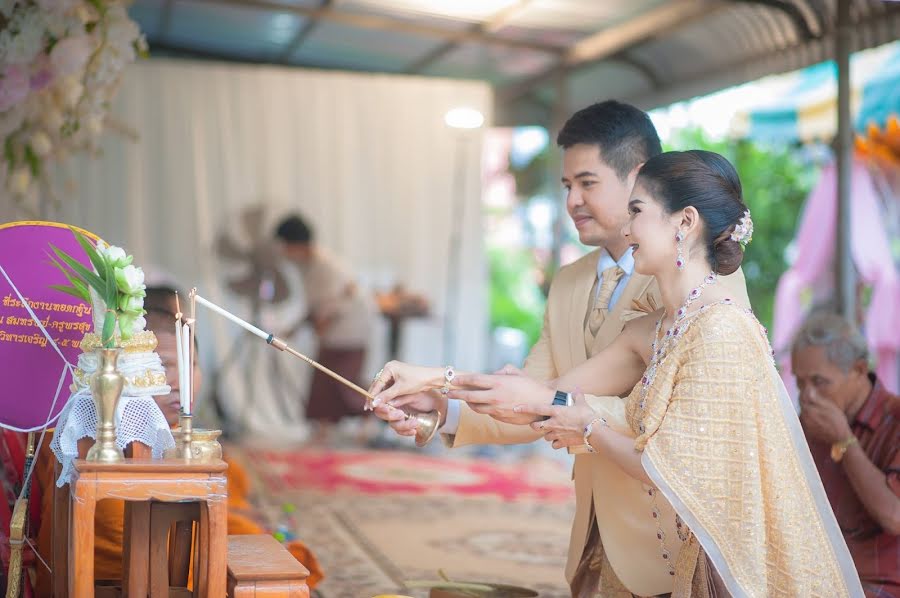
pixel 613 324
pixel 581 290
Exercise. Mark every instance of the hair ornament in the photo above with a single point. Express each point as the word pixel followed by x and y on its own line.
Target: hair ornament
pixel 743 230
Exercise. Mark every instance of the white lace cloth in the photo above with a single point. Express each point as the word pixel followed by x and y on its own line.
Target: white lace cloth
pixel 138 417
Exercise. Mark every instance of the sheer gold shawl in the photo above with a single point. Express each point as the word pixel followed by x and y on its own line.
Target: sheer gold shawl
pixel 724 446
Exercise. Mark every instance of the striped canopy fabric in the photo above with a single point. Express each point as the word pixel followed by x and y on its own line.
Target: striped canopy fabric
pixel 802 106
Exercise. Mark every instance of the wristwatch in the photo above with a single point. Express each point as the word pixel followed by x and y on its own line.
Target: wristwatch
pixel 838 449
pixel 562 399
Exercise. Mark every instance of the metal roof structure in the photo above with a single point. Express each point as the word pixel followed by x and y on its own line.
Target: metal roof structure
pixel 539 55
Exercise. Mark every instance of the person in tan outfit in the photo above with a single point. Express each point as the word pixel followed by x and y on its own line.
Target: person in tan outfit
pixel 604 146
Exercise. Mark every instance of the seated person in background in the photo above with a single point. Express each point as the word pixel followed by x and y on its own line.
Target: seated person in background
pixel 109 518
pixel 852 424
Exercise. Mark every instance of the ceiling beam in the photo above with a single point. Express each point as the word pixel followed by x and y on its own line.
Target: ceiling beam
pixel 302 33
pixel 495 22
pixel 614 40
pixel 387 23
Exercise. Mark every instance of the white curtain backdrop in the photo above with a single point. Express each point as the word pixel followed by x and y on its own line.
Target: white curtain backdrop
pixel 367 158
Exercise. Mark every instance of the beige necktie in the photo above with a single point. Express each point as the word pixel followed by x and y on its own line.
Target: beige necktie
pixel 609 279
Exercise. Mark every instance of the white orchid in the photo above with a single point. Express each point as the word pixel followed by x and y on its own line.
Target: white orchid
pixel 122 303
pixel 117 257
pixel 129 279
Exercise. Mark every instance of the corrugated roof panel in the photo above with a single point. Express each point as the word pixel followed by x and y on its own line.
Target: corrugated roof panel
pixel 605 80
pixel 256 34
pixel 494 63
pixel 340 46
pixel 550 36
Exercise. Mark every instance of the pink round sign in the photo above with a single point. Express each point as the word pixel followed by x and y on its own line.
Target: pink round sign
pixel 30 366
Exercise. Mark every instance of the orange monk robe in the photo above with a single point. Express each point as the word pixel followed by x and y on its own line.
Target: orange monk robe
pixel 109 524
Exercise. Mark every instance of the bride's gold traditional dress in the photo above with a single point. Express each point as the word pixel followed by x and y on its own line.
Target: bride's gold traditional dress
pixel 722 443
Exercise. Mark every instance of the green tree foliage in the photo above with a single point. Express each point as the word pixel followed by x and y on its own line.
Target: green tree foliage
pixel 775 182
pixel 515 295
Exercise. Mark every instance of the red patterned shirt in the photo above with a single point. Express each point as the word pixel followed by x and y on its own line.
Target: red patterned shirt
pixel 875 551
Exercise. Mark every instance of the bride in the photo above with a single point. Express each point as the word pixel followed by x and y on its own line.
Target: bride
pixel 714 435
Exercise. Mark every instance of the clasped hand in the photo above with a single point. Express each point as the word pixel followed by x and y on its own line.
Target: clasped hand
pixel 405 385
pixel 563 426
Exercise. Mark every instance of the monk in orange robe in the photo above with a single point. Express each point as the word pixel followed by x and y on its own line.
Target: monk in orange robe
pixel 110 514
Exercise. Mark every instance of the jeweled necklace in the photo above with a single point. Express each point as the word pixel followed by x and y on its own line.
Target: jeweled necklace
pixel 659 351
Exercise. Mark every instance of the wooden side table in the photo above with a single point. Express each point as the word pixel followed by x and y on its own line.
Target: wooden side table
pixel 260 567
pixel 139 481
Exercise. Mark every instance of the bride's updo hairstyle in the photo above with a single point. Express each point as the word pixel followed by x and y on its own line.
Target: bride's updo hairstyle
pixel 708 182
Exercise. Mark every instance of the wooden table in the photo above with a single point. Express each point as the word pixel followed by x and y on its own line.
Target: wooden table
pixel 260 567
pixel 139 481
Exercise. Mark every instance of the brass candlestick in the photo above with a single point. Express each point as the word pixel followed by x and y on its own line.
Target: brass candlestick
pixel 186 423
pixel 106 388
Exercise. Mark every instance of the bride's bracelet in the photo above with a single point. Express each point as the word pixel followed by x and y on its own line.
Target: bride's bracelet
pixel 589 429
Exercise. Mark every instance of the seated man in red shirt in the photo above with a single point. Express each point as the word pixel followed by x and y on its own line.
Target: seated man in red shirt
pixel 852 424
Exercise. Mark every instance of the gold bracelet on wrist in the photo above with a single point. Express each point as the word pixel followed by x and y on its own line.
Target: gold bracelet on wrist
pixel 839 449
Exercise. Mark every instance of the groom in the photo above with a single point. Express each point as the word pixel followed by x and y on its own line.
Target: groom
pixel 604 146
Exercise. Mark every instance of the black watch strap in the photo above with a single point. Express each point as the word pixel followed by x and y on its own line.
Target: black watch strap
pixel 563 399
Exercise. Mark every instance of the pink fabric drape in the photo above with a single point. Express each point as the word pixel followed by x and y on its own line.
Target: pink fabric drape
pixel 870 250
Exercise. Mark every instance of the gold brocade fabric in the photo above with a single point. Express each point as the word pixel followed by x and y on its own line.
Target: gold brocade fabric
pixel 718 447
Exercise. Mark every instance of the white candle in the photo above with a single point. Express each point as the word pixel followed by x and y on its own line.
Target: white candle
pixel 180 349
pixel 245 325
pixel 188 366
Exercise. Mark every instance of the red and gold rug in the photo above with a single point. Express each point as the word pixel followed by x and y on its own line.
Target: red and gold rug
pixel 378 518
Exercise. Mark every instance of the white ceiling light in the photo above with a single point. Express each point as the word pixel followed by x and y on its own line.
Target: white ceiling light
pixel 464 118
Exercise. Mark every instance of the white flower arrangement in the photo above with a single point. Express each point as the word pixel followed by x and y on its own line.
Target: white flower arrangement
pixel 115 284
pixel 60 65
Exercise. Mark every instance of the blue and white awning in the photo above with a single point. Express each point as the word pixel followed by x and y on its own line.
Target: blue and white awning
pixel 803 105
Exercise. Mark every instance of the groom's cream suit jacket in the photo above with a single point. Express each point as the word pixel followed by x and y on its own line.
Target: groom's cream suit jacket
pixel 621 503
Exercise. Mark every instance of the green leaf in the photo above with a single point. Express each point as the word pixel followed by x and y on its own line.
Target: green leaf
pixel 89 277
pixel 91 250
pixel 70 291
pixel 112 291
pixel 108 337
pixel 72 278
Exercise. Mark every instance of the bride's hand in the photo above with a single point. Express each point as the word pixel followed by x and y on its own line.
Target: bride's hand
pixel 398 378
pixel 564 426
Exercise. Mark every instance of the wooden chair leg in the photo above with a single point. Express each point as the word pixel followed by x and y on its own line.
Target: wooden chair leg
pixel 136 550
pixel 59 554
pixel 170 544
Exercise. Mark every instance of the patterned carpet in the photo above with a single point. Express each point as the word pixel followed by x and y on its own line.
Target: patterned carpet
pixel 378 518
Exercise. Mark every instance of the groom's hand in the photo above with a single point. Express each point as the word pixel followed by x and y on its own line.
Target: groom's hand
pixel 497 394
